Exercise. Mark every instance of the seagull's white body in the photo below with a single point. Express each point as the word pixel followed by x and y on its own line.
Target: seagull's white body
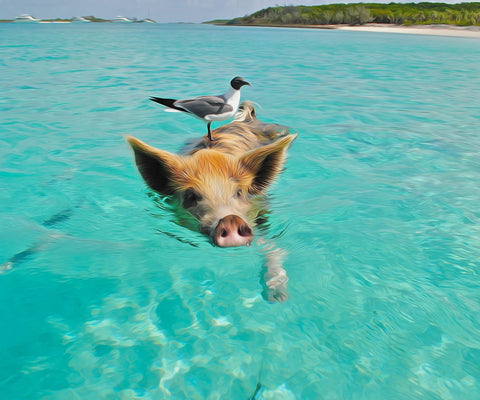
pixel 232 98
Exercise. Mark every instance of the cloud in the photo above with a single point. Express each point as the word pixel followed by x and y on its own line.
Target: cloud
pixel 160 10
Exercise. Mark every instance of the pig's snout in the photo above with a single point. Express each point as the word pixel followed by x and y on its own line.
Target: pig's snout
pixel 232 231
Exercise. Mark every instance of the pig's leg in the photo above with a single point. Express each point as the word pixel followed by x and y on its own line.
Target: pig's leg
pixel 274 275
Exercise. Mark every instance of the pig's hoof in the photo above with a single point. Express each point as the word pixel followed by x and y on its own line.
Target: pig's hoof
pixel 276 289
pixel 274 295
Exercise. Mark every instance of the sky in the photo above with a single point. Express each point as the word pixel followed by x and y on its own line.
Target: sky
pixel 158 10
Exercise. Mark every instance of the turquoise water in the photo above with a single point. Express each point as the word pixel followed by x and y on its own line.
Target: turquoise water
pixel 104 296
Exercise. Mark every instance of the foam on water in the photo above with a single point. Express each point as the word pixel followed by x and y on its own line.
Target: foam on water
pixel 104 295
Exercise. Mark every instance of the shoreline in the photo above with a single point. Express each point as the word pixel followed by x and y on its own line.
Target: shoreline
pixel 433 30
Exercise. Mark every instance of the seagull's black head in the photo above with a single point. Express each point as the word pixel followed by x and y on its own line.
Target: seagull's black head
pixel 238 82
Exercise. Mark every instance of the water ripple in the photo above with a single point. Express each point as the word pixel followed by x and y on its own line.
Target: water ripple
pixel 376 213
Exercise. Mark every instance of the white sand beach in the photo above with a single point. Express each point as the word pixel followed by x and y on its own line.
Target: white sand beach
pixel 438 30
pixel 434 29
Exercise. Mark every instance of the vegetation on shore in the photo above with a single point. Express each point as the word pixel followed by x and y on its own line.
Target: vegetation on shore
pixel 217 22
pixel 464 14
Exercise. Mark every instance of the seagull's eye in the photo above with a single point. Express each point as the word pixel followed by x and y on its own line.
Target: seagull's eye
pixel 191 198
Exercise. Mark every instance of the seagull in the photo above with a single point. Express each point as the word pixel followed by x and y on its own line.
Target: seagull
pixel 208 108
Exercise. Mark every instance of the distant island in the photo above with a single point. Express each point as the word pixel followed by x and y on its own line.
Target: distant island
pixel 461 14
pixel 28 18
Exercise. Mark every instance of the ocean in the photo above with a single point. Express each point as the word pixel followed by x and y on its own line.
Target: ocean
pixel 104 295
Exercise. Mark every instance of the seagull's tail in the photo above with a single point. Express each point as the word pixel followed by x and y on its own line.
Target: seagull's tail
pixel 170 103
pixel 246 112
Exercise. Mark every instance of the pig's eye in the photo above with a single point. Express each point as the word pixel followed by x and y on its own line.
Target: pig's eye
pixel 191 199
pixel 239 194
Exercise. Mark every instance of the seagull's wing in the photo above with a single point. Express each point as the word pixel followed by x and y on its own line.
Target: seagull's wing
pixel 205 105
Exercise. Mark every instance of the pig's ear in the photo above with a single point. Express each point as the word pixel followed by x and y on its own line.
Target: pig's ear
pixel 266 162
pixel 156 166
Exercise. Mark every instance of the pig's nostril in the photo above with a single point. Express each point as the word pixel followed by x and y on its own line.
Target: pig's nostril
pixel 244 230
pixel 224 233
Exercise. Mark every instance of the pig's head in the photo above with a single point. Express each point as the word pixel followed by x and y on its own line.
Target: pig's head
pixel 217 188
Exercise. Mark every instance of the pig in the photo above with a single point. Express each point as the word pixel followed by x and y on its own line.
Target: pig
pixel 222 182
